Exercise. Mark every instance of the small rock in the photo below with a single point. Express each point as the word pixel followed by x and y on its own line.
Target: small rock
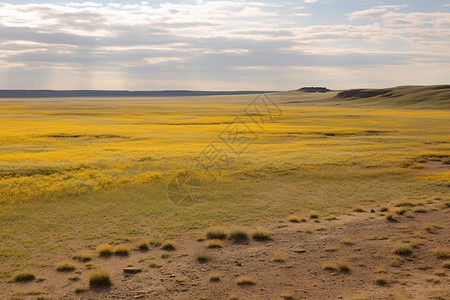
pixel 372 210
pixel 339 297
pixel 131 270
pixel 238 264
pixel 171 275
pixel 300 251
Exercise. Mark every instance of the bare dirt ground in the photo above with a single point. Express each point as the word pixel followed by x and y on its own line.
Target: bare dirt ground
pixel 365 242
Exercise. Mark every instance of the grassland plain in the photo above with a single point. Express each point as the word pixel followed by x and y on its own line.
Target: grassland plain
pixel 77 173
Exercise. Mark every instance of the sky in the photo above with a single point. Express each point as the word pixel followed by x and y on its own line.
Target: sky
pixel 223 44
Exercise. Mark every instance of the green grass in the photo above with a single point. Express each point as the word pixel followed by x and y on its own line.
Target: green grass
pixel 105 250
pixel 24 277
pixel 65 267
pixel 216 233
pixel 238 235
pixel 100 279
pixel 245 280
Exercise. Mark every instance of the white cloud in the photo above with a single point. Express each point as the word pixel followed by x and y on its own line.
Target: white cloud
pixel 310 1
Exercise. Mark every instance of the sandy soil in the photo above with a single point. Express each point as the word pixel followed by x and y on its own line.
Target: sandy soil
pixel 364 241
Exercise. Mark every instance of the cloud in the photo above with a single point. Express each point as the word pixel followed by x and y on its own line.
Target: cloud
pixel 310 1
pixel 215 41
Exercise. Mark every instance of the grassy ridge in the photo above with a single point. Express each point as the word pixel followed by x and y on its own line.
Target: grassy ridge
pixel 404 97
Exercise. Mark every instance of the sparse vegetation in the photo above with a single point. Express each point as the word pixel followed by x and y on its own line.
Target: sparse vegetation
pixel 441 253
pixel 382 281
pixel 169 245
pixel 155 264
pixel 65 267
pixel 105 250
pixel 216 233
pixel 446 264
pixel 278 257
pixel 359 209
pixel 313 215
pixel 143 246
pixel 121 250
pixel 203 258
pixel 214 277
pixel 337 266
pixel 433 279
pixel 73 278
pixel 261 234
pixel 214 244
pixel 24 277
pixel 347 241
pixel 287 296
pixel 244 280
pixel 238 235
pixel 431 228
pixel 82 257
pixel 296 219
pixel 403 250
pixel 390 217
pixel 99 279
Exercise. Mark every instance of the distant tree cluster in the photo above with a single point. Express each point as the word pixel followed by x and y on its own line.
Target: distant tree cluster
pixel 314 90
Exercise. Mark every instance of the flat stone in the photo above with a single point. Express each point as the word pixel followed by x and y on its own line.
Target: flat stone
pixel 131 270
pixel 300 251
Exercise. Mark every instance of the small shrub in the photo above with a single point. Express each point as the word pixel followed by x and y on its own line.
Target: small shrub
pixel 421 210
pixel 446 264
pixel 65 267
pixel 203 258
pixel 359 209
pixel 154 264
pixel 143 246
pixel 261 234
pixel 287 296
pixel 239 235
pixel 100 279
pixel 295 219
pixel 278 257
pixel 382 281
pixel 82 257
pixel 347 242
pixel 331 218
pixel 216 233
pixel 396 261
pixel 405 204
pixel 401 211
pixel 214 277
pixel 441 253
pixel 24 277
pixel 434 279
pixel 73 278
pixel 390 217
pixel 337 266
pixel 79 290
pixel 214 244
pixel 244 280
pixel 403 250
pixel 164 255
pixel 331 249
pixel 431 228
pixel 169 245
pixel 105 250
pixel 122 250
pixel 313 215
pixel 384 209
pixel 155 243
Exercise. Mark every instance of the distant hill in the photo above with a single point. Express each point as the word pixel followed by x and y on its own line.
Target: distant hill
pixel 103 93
pixel 409 97
pixel 436 96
